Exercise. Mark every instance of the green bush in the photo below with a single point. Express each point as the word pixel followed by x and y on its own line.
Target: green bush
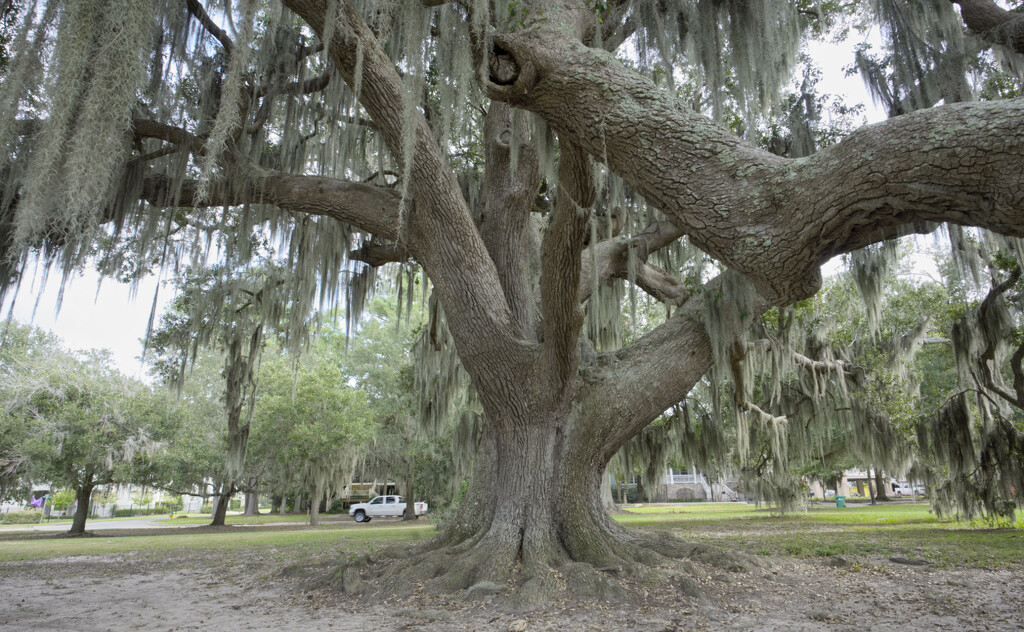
pixel 19 517
pixel 235 504
pixel 206 508
pixel 628 490
pixel 168 506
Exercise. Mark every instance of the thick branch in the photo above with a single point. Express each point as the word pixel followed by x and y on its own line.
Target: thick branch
pixel 508 197
pixel 993 23
pixel 987 359
pixel 561 262
pixel 611 258
pixel 370 208
pixel 633 386
pixel 442 235
pixel 774 220
pixel 377 255
pixel 145 128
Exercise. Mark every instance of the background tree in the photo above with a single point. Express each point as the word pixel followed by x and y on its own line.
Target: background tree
pixel 382 365
pixel 399 87
pixel 231 311
pixel 192 435
pixel 324 425
pixel 83 423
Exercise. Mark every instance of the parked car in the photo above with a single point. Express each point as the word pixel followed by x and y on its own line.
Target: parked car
pixel 381 506
pixel 906 489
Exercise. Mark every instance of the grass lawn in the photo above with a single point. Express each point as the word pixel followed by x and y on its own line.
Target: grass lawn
pixel 909 531
pixel 902 530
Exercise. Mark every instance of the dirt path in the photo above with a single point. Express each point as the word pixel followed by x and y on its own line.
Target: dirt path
pixel 244 591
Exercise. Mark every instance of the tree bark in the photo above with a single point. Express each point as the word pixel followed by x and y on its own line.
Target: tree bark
pixel 252 499
pixel 220 507
pixel 82 496
pixel 314 507
pixel 881 489
pixel 410 492
pixel 283 509
pixel 774 220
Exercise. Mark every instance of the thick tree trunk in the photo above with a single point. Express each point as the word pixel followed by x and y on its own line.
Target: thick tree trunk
pixel 82 496
pixel 881 491
pixel 283 509
pixel 252 499
pixel 297 505
pixel 640 488
pixel 220 508
pixel 534 504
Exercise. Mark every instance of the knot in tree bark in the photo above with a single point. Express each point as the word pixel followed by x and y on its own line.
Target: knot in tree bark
pixel 504 68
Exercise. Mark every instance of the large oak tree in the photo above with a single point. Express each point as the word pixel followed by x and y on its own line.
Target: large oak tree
pixel 344 111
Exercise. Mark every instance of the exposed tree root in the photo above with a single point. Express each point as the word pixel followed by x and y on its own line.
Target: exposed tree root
pixel 616 563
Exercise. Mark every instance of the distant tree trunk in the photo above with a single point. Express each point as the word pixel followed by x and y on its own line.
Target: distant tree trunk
pixel 621 500
pixel 220 507
pixel 252 499
pixel 410 490
pixel 607 500
pixel 314 506
pixel 640 488
pixel 881 491
pixel 82 496
pixel 297 507
pixel 283 509
pixel 871 485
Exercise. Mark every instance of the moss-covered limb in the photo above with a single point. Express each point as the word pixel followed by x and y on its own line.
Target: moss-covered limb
pixel 196 9
pixel 443 236
pixel 995 24
pixel 611 259
pixel 371 208
pixel 376 255
pixel 633 386
pixel 561 255
pixel 775 220
pixel 511 181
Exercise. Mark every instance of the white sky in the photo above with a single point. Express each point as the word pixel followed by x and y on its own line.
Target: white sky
pixel 109 315
pixel 93 315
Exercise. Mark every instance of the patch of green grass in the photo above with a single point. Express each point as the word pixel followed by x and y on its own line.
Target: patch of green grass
pixel 363 538
pixel 909 531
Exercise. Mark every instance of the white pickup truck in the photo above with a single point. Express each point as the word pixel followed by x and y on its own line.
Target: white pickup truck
pixel 383 506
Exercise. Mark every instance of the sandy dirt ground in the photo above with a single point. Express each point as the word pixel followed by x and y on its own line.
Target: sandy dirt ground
pixel 252 590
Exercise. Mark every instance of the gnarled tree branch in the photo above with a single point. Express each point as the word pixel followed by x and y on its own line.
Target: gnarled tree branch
pixel 993 23
pixel 561 261
pixel 775 220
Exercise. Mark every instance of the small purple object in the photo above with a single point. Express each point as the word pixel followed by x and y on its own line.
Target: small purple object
pixel 36 502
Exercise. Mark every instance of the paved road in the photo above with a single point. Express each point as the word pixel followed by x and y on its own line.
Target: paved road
pixel 98 525
pixel 146 523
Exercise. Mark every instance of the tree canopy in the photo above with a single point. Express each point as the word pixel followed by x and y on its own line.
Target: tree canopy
pixel 75 422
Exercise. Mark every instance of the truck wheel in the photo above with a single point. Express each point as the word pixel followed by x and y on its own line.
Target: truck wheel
pixel 361 516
